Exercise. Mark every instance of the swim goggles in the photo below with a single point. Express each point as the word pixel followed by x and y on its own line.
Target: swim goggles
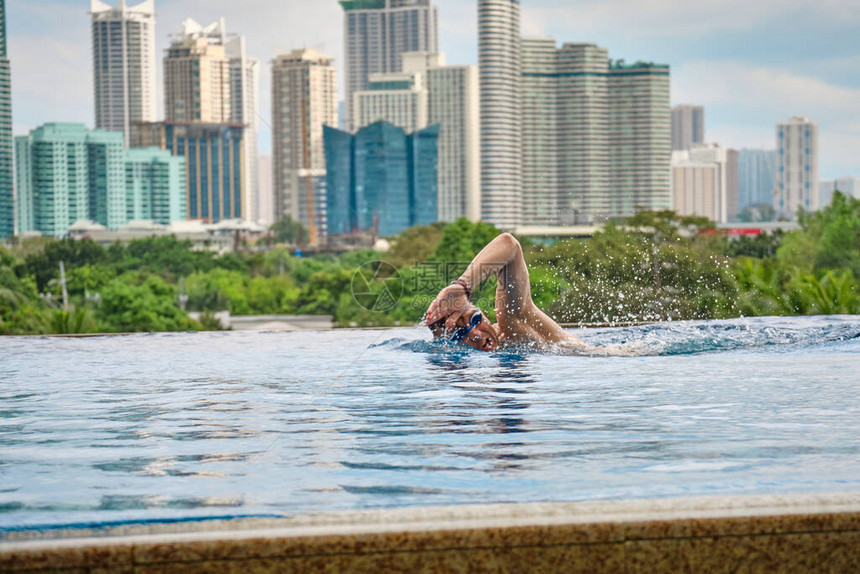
pixel 460 333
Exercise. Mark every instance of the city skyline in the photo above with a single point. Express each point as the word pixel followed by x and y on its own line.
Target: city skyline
pixel 748 73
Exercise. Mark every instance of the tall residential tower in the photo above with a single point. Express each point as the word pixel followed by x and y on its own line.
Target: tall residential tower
pixel 304 99
pixel 499 60
pixel 796 173
pixel 640 139
pixel 7 209
pixel 688 126
pixel 565 118
pixel 377 33
pixel 208 77
pixel 123 65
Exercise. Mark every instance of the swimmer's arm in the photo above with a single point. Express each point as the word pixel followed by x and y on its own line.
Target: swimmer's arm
pixel 502 257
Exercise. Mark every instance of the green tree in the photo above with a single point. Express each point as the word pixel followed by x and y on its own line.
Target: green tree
pixel 22 312
pixel 141 303
pixel 288 230
pixel 44 266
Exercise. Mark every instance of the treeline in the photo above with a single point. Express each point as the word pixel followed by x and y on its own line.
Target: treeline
pixel 654 266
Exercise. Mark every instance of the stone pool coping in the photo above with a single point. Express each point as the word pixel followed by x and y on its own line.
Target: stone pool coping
pixel 782 533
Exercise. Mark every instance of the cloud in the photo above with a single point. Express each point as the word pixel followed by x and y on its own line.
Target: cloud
pixel 679 18
pixel 776 91
pixel 746 101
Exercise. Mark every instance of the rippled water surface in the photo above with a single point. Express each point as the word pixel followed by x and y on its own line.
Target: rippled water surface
pixel 222 424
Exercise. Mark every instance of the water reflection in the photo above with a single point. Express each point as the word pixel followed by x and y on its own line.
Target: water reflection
pixel 498 403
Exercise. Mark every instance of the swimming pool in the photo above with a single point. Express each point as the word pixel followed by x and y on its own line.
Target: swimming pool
pixel 194 425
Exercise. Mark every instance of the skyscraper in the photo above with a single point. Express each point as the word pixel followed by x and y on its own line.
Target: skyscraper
pixel 209 77
pixel 429 92
pixel 154 186
pixel 304 100
pixel 214 164
pixel 796 174
pixel 67 173
pixel 565 133
pixel 755 177
pixel 695 187
pixel 377 33
pixel 7 204
pixel 381 178
pixel 499 60
pixel 639 138
pixel 399 98
pixel 123 64
pixel 711 193
pixel 454 106
pixel 196 81
pixel 688 126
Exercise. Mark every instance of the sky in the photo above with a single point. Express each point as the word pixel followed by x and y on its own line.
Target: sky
pixel 751 63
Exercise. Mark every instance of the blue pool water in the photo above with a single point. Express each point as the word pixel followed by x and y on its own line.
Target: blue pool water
pixel 187 426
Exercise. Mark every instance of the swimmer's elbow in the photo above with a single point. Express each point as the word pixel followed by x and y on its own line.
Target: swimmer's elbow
pixel 510 242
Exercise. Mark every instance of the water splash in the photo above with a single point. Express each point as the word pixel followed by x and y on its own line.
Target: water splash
pixel 679 338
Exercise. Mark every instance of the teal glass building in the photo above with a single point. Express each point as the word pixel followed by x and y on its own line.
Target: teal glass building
pixel 66 173
pixel 381 178
pixel 7 208
pixel 155 185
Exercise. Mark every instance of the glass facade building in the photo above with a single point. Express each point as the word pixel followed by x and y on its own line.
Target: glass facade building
pixel 340 199
pixel 155 186
pixel 66 173
pixel 381 179
pixel 214 164
pixel 377 33
pixel 755 177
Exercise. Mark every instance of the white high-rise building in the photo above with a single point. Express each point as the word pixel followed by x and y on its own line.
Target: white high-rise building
pixel 565 117
pixel 428 92
pixel 500 62
pixel 640 138
pixel 124 65
pixel 264 181
pixel 399 98
pixel 695 186
pixel 377 33
pixel 455 106
pixel 208 77
pixel 796 173
pixel 705 182
pixel 849 186
pixel 304 99
pixel 725 207
pixel 688 126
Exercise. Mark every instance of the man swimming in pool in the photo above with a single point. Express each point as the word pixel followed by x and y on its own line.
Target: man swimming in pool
pixel 520 321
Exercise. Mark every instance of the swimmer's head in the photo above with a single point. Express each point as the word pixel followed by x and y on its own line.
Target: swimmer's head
pixel 472 330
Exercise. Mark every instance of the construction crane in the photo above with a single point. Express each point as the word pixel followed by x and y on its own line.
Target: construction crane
pixel 313 240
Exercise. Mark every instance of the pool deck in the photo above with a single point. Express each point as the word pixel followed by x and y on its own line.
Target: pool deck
pixel 791 533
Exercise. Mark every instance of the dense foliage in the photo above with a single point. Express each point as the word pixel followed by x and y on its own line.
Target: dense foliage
pixel 656 266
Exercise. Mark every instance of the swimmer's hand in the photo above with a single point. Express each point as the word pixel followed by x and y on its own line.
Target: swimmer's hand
pixel 450 304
